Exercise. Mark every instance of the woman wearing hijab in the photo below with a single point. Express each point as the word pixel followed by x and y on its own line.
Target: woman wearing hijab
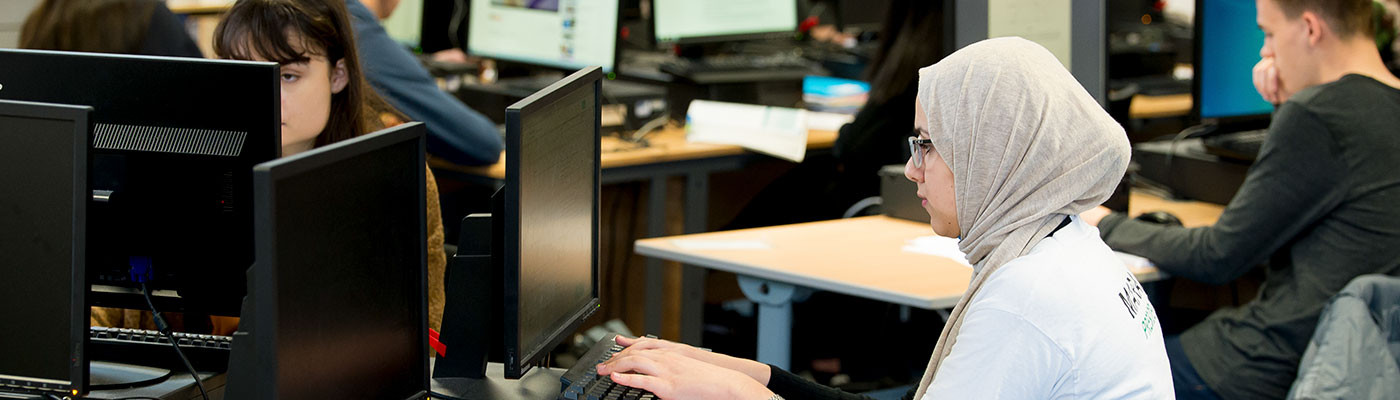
pixel 1010 149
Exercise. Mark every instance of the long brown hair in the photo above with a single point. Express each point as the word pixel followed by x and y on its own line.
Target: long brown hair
pixel 912 38
pixel 266 28
pixel 99 26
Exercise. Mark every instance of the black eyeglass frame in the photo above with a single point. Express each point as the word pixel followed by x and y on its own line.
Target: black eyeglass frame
pixel 918 149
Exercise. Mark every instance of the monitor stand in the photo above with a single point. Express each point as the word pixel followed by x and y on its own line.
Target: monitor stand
pixel 110 376
pixel 538 383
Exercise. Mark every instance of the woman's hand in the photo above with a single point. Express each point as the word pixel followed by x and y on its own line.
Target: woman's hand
pixel 759 372
pixel 671 375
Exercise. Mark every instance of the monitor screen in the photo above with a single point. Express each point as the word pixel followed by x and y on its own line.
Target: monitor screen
pixel 567 34
pixel 1075 35
pixel 342 252
pixel 1228 41
pixel 551 226
pixel 405 25
pixel 43 168
pixel 690 20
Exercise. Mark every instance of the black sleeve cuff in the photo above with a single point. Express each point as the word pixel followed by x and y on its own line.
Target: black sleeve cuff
pixel 791 386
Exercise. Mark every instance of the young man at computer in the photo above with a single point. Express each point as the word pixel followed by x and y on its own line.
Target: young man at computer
pixel 455 132
pixel 1319 205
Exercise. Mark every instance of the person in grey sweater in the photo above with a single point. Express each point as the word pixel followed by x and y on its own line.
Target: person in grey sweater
pixel 1319 207
pixel 456 133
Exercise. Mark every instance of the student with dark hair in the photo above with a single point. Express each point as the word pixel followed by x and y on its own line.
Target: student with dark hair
pixel 1319 207
pixel 819 189
pixel 912 38
pixel 107 26
pixel 325 98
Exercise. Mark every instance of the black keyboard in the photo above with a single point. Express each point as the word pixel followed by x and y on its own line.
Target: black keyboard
pixel 742 68
pixel 1243 145
pixel 150 348
pixel 583 383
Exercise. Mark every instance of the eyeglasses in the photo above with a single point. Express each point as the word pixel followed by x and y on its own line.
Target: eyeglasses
pixel 918 148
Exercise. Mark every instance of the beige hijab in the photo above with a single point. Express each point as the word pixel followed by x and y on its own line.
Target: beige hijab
pixel 1027 146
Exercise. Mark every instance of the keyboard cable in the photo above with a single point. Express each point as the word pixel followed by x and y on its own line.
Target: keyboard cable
pixel 165 331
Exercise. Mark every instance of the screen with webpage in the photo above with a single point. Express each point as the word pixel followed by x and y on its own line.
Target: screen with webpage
pixel 565 34
pixel 683 19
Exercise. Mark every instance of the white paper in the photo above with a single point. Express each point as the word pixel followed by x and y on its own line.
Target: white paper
pixel 827 121
pixel 1046 22
pixel 937 246
pixel 697 244
pixel 777 131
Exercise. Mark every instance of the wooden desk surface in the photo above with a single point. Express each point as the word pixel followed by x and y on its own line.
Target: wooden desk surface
pixel 861 256
pixel 1172 105
pixel 1191 213
pixel 667 144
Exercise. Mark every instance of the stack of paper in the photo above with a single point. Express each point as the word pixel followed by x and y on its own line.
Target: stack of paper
pixel 777 131
pixel 938 246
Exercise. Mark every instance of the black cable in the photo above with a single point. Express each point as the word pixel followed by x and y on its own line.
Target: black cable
pixel 1171 152
pixel 165 330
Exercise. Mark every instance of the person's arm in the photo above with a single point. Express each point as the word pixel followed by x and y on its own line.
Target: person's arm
pixel 455 132
pixel 791 386
pixel 437 257
pixel 1299 177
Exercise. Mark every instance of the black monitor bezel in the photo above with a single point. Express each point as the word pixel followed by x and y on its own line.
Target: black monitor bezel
pixel 1197 42
pixel 264 142
pixel 518 360
pixel 78 312
pixel 263 279
pixel 616 45
pixel 759 35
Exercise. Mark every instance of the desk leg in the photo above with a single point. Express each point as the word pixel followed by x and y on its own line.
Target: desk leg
pixel 774 318
pixel 697 207
pixel 656 278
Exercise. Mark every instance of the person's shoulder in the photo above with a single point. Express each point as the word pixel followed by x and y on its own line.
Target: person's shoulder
pixel 1058 268
pixel 1349 93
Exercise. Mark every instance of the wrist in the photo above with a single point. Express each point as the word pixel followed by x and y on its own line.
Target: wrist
pixel 753 390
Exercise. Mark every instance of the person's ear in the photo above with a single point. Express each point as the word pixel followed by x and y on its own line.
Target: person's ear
pixel 1313 27
pixel 339 76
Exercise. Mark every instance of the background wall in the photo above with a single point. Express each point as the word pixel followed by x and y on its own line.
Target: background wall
pixel 12 13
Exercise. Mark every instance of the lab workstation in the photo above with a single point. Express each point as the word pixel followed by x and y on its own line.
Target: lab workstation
pixel 719 199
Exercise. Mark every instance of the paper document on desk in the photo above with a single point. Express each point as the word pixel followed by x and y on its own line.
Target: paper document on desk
pixel 938 246
pixel 1135 262
pixel 776 131
pixel 694 244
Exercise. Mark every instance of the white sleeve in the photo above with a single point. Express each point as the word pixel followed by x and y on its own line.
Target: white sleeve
pixel 999 355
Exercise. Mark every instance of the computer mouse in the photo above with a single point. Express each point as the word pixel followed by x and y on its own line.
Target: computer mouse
pixel 1160 217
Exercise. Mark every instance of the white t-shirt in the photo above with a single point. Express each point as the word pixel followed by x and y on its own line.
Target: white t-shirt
pixel 1066 320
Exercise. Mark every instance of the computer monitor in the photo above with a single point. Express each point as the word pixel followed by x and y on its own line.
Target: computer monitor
pixel 1227 43
pixel 174 144
pixel 337 303
pixel 1077 36
pixel 690 21
pixel 525 277
pixel 405 25
pixel 563 34
pixel 43 170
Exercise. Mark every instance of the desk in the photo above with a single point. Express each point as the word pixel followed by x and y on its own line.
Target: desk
pixel 669 155
pixel 1172 105
pixel 827 255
